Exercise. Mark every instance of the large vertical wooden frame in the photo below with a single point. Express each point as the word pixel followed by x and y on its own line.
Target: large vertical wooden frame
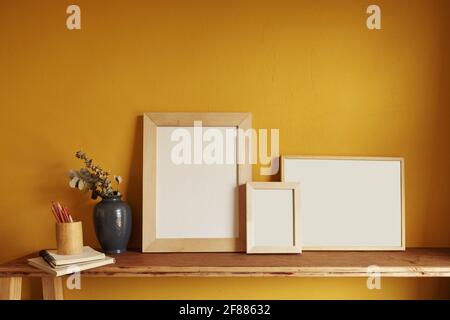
pixel 150 243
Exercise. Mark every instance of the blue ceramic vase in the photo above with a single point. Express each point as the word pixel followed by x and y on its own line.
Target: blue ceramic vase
pixel 112 221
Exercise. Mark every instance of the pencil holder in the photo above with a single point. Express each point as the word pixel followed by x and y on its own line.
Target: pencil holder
pixel 69 238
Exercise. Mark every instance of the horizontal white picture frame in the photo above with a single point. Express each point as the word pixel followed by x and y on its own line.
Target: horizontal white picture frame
pixel 349 203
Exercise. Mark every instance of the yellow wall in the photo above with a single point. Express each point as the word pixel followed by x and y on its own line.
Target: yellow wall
pixel 310 68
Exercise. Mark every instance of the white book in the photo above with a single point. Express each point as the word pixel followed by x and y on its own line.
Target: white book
pixel 68 269
pixel 88 254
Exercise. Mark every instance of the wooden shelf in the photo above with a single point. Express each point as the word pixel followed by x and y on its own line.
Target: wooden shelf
pixel 410 263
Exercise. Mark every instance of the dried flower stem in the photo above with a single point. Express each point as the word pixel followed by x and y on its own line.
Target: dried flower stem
pixel 93 178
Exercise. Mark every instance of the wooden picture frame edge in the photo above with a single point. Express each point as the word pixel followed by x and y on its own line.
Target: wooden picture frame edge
pixel 153 120
pixel 402 247
pixel 297 247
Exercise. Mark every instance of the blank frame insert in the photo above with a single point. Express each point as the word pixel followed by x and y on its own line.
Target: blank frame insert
pixel 272 218
pixel 198 200
pixel 349 203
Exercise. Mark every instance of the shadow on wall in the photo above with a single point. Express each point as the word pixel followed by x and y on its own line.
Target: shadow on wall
pixel 134 190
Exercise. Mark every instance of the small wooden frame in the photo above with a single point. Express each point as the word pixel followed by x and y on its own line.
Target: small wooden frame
pixel 273 218
pixel 190 192
pixel 341 225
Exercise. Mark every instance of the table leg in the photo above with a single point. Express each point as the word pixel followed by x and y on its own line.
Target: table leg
pixel 10 288
pixel 52 288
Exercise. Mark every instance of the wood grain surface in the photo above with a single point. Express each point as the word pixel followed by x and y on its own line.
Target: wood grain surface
pixel 410 263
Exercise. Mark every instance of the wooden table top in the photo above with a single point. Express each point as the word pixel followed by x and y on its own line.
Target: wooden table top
pixel 414 262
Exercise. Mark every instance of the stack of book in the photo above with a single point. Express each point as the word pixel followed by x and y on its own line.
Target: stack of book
pixel 58 265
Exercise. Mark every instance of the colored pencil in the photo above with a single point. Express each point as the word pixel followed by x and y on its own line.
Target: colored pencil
pixel 66 211
pixel 55 210
pixel 61 213
pixel 55 215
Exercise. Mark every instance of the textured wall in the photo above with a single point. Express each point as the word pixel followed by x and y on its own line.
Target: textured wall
pixel 310 68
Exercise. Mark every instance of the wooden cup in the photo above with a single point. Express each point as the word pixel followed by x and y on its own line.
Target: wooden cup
pixel 69 238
